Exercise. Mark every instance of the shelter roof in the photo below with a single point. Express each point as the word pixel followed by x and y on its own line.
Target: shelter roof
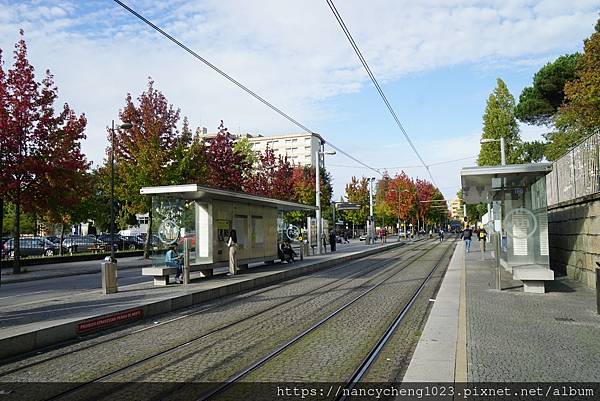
pixel 200 193
pixel 479 184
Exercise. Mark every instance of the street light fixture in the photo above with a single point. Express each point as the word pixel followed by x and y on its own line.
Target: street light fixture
pixel 502 147
pixel 319 154
pixel 112 186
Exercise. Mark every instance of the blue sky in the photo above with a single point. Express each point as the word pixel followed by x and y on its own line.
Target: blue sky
pixel 436 60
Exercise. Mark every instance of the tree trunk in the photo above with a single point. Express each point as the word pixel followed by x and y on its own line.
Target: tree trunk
pixel 148 243
pixel 17 237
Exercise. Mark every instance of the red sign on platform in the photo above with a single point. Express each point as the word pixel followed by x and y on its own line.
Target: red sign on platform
pixel 110 320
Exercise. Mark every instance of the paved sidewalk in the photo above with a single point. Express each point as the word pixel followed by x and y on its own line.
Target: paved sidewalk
pixel 28 326
pixel 511 336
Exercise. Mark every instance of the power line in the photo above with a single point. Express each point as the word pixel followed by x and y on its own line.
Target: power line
pixel 237 83
pixel 413 166
pixel 385 100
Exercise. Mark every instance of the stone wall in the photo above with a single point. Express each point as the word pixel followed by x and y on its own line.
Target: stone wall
pixel 574 238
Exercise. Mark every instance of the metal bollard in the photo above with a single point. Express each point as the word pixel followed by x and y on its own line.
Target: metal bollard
pixel 109 277
pixel 187 245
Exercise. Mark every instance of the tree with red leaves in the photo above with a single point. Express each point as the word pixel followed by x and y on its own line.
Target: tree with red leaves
pixel 33 139
pixel 401 196
pixel 226 167
pixel 273 177
pixel 425 192
pixel 146 154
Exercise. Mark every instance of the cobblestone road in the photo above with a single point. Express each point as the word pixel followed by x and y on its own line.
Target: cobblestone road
pixel 217 355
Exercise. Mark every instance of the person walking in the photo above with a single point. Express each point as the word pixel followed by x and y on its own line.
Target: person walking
pixel 482 239
pixel 232 244
pixel 466 235
pixel 332 240
pixel 441 235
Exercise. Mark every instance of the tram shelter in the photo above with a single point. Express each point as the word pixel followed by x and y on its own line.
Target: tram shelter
pixel 205 216
pixel 517 218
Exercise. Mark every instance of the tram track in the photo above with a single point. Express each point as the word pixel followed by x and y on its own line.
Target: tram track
pixel 124 332
pixel 359 373
pixel 331 285
pixel 172 390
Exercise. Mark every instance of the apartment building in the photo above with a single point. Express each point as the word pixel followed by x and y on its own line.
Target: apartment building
pixel 299 148
pixel 456 209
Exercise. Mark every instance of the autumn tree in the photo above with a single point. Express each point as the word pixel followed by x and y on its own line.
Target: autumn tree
pixel 65 182
pixel 33 141
pixel 579 116
pixel 499 122
pixel 383 211
pixel 145 155
pixel 303 191
pixel 226 168
pixel 401 196
pixel 357 191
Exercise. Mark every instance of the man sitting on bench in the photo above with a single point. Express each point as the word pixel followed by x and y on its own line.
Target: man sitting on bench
pixel 172 259
pixel 288 252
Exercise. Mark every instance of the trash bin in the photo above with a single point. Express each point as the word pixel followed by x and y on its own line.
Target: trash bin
pixel 109 277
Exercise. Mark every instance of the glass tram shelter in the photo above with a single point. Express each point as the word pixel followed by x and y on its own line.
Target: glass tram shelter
pixel 516 199
pixel 201 218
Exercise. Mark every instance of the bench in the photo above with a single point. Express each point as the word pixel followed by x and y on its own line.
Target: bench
pixel 161 273
pixel 533 278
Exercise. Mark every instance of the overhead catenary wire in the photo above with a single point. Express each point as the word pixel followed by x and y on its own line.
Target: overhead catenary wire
pixel 338 17
pixel 237 83
pixel 412 166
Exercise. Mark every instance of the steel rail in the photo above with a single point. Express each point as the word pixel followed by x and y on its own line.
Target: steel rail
pixel 376 350
pixel 336 284
pixel 236 377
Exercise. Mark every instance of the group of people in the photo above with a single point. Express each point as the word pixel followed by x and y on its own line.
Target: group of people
pixel 480 234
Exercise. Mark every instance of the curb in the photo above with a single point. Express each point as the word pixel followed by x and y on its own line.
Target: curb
pixel 440 355
pixel 26 342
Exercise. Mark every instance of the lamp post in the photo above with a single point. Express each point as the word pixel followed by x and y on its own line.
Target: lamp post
pixel 112 186
pixel 370 225
pixel 319 154
pixel 502 147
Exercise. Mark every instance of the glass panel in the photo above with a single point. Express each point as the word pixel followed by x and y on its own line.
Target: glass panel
pixel 173 221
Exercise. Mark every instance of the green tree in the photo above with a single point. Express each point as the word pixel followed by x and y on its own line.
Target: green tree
pixel 357 191
pixel 243 147
pixel 579 116
pixel 539 103
pixel 499 122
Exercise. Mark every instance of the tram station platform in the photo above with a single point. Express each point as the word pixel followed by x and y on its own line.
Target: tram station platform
pixel 32 325
pixel 476 333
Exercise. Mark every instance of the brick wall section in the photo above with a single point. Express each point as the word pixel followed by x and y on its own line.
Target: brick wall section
pixel 574 238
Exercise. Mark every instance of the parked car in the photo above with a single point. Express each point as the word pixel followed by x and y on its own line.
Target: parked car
pixel 107 239
pixel 31 246
pixel 85 243
pixel 54 239
pixel 154 240
pixel 132 242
